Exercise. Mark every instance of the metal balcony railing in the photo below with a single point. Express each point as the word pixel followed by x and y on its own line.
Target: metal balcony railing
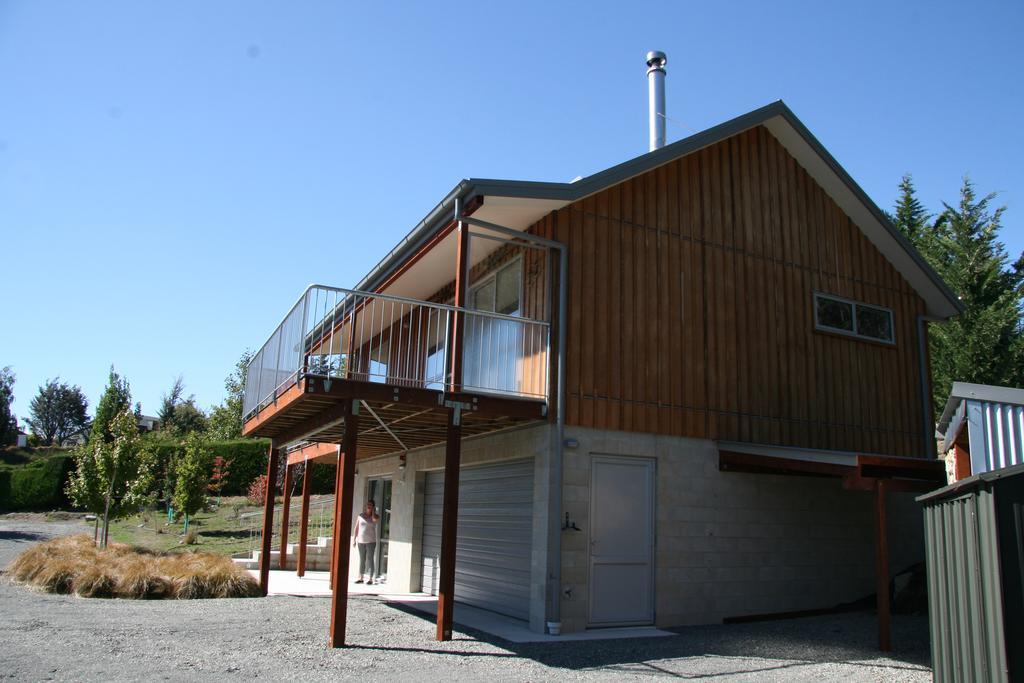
pixel 332 332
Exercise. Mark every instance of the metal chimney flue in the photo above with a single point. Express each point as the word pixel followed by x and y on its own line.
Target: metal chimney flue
pixel 656 62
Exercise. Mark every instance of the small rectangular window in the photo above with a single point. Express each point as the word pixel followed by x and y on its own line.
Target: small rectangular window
pixel 853 318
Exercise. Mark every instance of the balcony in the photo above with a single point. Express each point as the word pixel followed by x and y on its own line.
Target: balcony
pixel 401 359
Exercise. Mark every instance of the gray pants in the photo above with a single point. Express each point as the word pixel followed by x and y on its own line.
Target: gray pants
pixel 367 553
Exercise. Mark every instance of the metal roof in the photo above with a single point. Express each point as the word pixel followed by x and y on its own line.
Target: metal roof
pixel 995 424
pixel 971 483
pixel 781 122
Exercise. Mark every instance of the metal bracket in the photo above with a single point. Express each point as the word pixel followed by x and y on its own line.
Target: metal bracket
pixel 457 408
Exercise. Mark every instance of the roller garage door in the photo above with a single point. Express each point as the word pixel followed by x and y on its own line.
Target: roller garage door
pixel 492 566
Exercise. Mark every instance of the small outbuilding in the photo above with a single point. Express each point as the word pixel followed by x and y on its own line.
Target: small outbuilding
pixel 974 549
pixel 982 429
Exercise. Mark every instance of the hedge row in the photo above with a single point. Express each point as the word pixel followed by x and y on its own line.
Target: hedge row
pixel 38 485
pixel 248 460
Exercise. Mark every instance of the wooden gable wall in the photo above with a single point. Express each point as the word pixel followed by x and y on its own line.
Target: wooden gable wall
pixel 690 309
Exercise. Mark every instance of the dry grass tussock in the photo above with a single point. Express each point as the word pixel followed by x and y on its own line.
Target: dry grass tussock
pixel 73 564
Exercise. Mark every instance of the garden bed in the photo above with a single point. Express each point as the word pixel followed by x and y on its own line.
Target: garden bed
pixel 73 564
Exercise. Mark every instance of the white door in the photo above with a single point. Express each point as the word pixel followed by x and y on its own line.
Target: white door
pixel 621 541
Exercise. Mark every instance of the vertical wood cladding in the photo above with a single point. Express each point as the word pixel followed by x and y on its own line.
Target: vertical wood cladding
pixel 690 308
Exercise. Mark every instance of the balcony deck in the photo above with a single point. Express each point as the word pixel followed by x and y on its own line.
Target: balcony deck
pixel 391 357
pixel 395 418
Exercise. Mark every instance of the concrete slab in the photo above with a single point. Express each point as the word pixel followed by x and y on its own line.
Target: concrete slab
pixel 517 631
pixel 317 584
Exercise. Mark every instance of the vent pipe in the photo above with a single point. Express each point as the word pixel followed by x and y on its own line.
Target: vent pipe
pixel 656 62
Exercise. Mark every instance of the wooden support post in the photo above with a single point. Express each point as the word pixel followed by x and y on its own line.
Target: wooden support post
pixel 268 520
pixel 337 513
pixel 458 318
pixel 882 567
pixel 285 504
pixel 300 561
pixel 347 468
pixel 449 526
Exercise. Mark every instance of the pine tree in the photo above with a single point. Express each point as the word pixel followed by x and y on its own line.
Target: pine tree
pixel 8 422
pixel 117 397
pixel 911 217
pixel 985 344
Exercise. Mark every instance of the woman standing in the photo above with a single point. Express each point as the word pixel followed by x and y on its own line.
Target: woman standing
pixel 364 536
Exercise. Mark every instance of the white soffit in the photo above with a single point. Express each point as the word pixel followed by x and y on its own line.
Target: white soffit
pixel 518 213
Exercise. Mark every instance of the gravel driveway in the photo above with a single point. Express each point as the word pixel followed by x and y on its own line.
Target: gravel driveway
pixel 52 637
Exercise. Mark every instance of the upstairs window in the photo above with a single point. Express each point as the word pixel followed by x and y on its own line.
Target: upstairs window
pixel 499 293
pixel 852 318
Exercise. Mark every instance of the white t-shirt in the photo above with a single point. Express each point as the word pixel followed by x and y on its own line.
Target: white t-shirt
pixel 365 529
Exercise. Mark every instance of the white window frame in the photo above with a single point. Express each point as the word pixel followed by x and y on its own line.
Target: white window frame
pixel 854 333
pixel 493 275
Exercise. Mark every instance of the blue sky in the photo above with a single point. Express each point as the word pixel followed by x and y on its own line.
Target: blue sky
pixel 173 174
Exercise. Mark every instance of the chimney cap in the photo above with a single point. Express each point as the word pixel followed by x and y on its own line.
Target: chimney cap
pixel 656 59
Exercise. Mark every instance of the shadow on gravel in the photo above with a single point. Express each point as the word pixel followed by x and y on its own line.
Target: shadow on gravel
pixel 848 639
pixel 22 536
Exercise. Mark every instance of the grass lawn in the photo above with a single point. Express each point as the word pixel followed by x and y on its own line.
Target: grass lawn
pixel 220 531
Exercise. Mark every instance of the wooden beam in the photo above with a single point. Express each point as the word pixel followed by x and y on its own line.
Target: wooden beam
pixel 856 482
pixel 300 561
pixel 347 468
pixel 313 451
pixel 449 526
pixel 325 418
pixel 882 567
pixel 293 394
pixel 268 520
pixel 487 405
pixel 337 514
pixel 458 320
pixel 884 466
pixel 285 504
pixel 733 461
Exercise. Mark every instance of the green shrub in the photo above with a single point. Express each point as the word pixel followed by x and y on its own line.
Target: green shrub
pixel 248 460
pixel 38 485
pixel 248 456
pixel 323 478
pixel 5 486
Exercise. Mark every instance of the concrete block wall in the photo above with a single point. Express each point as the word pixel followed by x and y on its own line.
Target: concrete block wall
pixel 731 544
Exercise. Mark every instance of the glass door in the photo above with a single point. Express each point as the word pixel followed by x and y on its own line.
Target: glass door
pixel 379 491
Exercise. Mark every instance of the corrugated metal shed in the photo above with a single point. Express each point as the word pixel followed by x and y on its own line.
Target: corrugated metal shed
pixel 994 420
pixel 974 552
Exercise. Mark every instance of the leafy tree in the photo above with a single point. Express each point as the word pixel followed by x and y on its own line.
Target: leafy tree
pixel 219 477
pixel 226 419
pixel 188 418
pixel 179 416
pixel 113 478
pixel 58 412
pixel 117 397
pixel 8 422
pixel 984 344
pixel 192 476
